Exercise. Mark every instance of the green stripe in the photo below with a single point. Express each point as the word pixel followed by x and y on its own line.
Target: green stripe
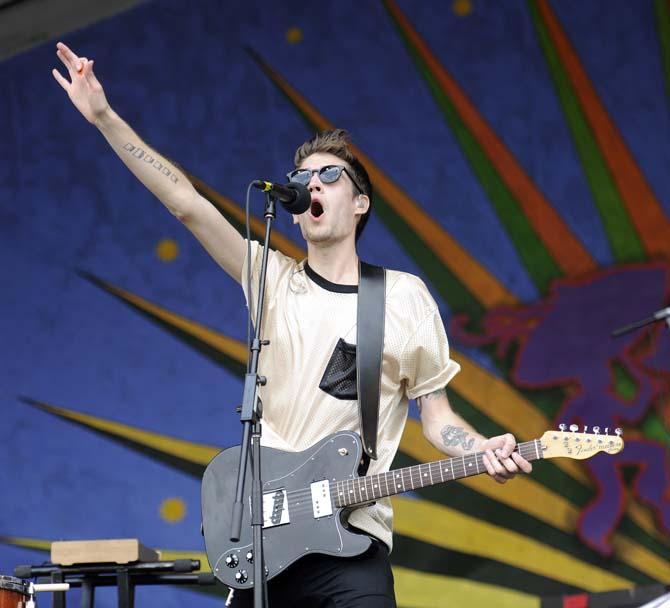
pixel 663 26
pixel 623 239
pixel 537 260
pixel 451 290
pixel 654 428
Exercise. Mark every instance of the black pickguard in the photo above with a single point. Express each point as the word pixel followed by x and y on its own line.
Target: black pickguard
pixel 335 458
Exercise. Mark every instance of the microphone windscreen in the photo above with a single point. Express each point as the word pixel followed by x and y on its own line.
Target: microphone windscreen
pixel 302 200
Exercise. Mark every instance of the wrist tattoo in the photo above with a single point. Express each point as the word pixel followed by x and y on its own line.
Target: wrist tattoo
pixel 140 154
pixel 456 436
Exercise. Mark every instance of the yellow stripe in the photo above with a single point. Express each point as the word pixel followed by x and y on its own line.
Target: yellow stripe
pixel 416 589
pixel 450 529
pixel 506 406
pixel 27 543
pixel 225 345
pixel 187 450
pixel 531 497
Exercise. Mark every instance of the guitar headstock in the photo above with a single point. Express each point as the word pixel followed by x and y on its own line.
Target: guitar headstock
pixel 571 444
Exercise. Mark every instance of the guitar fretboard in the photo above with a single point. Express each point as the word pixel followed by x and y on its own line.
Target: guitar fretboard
pixel 361 490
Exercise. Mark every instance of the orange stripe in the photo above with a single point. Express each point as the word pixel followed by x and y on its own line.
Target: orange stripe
pixel 645 212
pixel 568 252
pixel 479 282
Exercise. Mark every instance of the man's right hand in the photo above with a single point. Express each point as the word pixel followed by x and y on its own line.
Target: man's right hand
pixel 83 88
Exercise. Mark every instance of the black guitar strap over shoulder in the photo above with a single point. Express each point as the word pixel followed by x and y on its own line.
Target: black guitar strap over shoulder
pixel 369 349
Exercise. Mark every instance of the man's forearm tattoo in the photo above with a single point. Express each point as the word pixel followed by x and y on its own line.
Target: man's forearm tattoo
pixel 456 436
pixel 140 154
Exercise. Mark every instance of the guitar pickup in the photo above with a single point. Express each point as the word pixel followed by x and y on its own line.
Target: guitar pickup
pixel 322 505
pixel 275 509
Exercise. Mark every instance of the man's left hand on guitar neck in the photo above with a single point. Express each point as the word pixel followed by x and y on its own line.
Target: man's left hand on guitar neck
pixel 449 433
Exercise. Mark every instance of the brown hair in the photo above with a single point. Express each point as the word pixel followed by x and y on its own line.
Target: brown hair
pixel 338 143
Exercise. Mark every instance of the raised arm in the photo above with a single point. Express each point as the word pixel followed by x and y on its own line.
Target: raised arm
pixel 157 173
pixel 449 433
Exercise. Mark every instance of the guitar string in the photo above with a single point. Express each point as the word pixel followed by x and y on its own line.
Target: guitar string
pixel 412 472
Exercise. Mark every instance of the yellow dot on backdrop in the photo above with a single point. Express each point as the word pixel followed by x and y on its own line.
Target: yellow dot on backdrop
pixel 173 510
pixel 167 250
pixel 462 8
pixel 293 35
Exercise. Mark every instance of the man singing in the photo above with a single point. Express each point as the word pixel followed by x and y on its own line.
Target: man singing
pixel 310 321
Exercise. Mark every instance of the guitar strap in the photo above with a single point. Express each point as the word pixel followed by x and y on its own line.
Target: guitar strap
pixel 369 349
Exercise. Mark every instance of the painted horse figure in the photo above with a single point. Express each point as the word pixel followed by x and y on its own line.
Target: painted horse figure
pixel 564 341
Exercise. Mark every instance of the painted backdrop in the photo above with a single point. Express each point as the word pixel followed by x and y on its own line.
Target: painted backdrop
pixel 519 152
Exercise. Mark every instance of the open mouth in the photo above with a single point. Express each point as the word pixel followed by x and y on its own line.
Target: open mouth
pixel 316 209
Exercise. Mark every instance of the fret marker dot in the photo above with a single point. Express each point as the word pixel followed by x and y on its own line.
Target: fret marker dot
pixel 351 491
pixel 398 485
pixel 425 474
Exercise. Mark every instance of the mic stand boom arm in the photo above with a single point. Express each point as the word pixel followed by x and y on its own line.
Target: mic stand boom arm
pixel 251 435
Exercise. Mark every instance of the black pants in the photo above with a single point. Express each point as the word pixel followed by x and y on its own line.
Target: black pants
pixel 321 581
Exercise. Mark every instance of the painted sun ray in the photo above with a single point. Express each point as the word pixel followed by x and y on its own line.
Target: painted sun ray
pixel 497 399
pixel 527 495
pixel 644 210
pixel 218 347
pixel 234 213
pixel 479 282
pixel 545 505
pixel 624 242
pixel 461 532
pixel 187 456
pixel 508 185
pixel 662 11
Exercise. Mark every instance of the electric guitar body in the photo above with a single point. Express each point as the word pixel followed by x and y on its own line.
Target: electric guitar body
pixel 298 512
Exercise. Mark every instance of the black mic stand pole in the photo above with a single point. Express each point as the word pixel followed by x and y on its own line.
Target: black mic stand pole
pixel 659 315
pixel 250 417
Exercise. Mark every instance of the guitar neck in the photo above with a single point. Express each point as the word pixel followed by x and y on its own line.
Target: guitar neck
pixel 361 490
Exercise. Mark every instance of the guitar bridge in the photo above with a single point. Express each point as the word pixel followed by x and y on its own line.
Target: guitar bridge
pixel 321 503
pixel 275 509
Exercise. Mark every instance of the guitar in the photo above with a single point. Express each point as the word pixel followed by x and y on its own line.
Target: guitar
pixel 307 495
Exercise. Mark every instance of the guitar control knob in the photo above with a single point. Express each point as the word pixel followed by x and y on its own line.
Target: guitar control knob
pixel 232 560
pixel 241 576
pixel 250 557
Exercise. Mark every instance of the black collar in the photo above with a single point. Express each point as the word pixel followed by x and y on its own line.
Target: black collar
pixel 326 284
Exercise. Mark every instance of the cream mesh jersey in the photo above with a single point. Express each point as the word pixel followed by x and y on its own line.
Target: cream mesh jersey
pixel 310 363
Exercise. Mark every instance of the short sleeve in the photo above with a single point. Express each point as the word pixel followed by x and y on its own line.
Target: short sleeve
pixel 278 265
pixel 425 364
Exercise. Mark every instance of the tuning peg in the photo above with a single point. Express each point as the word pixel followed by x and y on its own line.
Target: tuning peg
pixel 562 426
pixel 596 430
pixel 574 428
pixel 618 431
pixel 607 430
pixel 586 429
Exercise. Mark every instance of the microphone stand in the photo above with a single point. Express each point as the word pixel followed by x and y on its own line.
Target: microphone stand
pixel 251 414
pixel 659 315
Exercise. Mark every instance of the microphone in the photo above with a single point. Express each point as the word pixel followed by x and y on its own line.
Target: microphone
pixel 295 197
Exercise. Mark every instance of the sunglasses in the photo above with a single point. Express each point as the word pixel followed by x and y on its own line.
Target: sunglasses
pixel 327 175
